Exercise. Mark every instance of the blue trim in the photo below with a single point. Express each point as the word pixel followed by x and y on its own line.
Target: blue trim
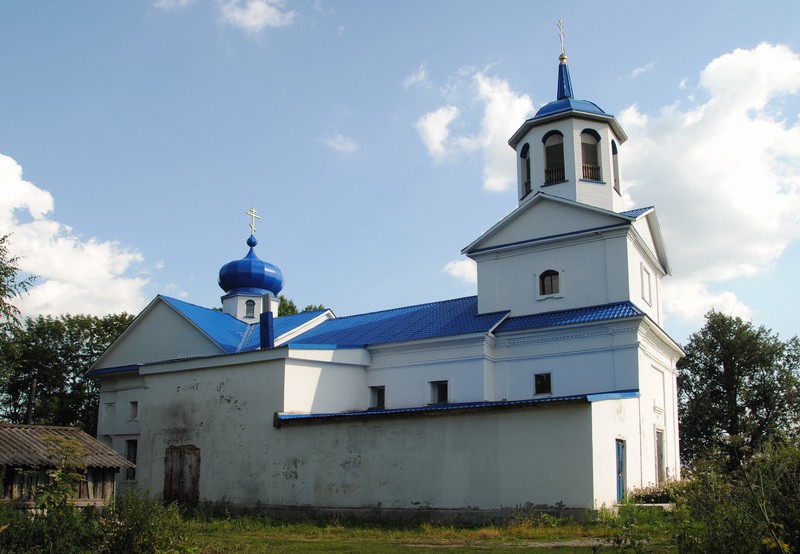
pixel 530 241
pixel 106 370
pixel 616 395
pixel 283 419
pixel 549 134
pixel 592 181
pixel 309 346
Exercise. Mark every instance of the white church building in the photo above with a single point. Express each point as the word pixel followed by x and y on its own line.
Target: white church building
pixel 554 386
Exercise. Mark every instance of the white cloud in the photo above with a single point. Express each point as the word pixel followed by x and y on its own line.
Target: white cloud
pixel 724 175
pixel 434 129
pixel 254 15
pixel 172 4
pixel 341 144
pixel 465 270
pixel 419 78
pixel 503 111
pixel 75 275
pixel 639 70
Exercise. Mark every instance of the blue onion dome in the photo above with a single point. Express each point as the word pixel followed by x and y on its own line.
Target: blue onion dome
pixel 250 275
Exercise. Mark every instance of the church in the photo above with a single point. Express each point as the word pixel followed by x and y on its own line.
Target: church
pixel 554 386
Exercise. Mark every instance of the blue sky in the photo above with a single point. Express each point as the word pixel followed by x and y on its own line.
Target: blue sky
pixel 371 138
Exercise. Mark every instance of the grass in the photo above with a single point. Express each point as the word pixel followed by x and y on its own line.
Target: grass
pixel 547 534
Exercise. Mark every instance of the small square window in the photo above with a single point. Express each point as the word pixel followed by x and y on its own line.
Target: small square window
pixel 133 411
pixel 439 392
pixel 377 398
pixel 541 383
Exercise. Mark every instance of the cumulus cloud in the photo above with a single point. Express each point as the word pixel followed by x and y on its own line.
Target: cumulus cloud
pixel 75 275
pixel 254 15
pixel 465 270
pixel 341 144
pixel 434 130
pixel 724 174
pixel 503 112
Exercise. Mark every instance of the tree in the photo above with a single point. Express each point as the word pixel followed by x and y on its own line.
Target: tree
pixel 738 389
pixel 10 284
pixel 57 352
pixel 288 307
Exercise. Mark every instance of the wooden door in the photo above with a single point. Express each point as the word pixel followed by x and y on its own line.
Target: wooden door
pixel 182 474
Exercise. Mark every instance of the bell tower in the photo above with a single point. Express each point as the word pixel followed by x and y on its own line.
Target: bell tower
pixel 569 148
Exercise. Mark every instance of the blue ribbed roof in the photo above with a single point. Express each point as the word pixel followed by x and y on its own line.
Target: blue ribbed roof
pixel 284 418
pixel 617 310
pixel 222 328
pixel 637 212
pixel 568 104
pixel 228 332
pixel 437 319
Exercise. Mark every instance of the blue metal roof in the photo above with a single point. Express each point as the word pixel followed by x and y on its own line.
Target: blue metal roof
pixel 224 329
pixel 284 418
pixel 567 105
pixel 437 319
pixel 637 212
pixel 605 312
pixel 231 334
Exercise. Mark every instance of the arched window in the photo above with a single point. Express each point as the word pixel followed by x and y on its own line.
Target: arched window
pixel 250 308
pixel 553 157
pixel 590 152
pixel 615 164
pixel 548 283
pixel 525 156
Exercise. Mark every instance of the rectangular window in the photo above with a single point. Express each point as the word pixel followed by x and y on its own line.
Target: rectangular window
pixel 133 411
pixel 439 392
pixel 130 454
pixel 541 383
pixel 377 398
pixel 661 466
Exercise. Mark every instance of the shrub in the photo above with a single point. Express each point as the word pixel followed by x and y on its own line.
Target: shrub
pixel 668 492
pixel 139 523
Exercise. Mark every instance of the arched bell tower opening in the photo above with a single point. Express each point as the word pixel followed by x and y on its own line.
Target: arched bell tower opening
pixel 570 149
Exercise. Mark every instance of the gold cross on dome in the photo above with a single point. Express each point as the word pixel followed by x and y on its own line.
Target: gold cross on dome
pixel 253 217
pixel 561 34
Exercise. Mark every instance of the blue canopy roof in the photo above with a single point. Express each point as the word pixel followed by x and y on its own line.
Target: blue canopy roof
pixel 617 310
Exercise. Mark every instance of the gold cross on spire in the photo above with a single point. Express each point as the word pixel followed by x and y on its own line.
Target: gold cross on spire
pixel 561 35
pixel 253 217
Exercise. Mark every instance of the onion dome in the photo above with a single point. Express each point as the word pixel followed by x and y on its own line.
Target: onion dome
pixel 250 275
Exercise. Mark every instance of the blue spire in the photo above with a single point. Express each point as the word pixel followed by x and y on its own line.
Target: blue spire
pixel 564 82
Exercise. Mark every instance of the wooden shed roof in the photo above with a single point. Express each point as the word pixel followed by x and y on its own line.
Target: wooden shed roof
pixel 24 445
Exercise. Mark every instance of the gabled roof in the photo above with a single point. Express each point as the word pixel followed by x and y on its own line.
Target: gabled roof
pixel 231 334
pixel 27 445
pixel 539 197
pixel 617 310
pixel 424 321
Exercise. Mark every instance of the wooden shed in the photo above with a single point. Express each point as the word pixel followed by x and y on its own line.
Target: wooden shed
pixel 27 453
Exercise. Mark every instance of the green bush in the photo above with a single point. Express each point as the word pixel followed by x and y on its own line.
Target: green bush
pixel 667 492
pixel 139 523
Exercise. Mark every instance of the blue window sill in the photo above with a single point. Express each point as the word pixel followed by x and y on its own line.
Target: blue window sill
pixel 555 183
pixel 592 181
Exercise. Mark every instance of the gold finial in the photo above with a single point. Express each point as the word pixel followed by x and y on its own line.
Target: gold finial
pixel 561 37
pixel 253 217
